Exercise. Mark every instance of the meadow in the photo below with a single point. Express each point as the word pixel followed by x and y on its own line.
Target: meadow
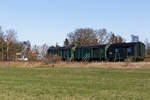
pixel 45 83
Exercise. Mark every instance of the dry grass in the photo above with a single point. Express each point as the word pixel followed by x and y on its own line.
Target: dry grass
pixel 21 64
pixel 119 65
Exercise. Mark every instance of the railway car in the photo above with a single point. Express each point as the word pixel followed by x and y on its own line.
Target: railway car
pixel 107 52
pixel 93 52
pixel 66 53
pixel 122 51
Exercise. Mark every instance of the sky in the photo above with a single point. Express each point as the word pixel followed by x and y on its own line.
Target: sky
pixel 49 21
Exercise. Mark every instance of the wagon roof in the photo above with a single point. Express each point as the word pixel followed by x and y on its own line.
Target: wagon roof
pixel 126 44
pixel 95 46
pixel 92 46
pixel 65 47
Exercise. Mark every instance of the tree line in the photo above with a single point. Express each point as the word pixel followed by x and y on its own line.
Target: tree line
pixel 10 47
pixel 89 36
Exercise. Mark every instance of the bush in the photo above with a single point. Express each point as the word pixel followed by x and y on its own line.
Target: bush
pixel 32 57
pixel 52 59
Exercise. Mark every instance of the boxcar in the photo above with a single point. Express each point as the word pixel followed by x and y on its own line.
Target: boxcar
pixel 93 52
pixel 66 53
pixel 122 51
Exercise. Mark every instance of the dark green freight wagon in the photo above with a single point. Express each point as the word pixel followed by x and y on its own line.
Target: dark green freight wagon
pixel 94 52
pixel 122 51
pixel 107 52
pixel 66 53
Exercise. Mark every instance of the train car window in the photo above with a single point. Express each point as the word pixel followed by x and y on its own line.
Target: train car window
pixel 129 50
pixel 102 51
pixel 110 53
pixel 116 50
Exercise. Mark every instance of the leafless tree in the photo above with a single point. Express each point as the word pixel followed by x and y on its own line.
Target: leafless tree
pixel 115 39
pixel 147 44
pixel 83 36
pixel 2 41
pixel 43 49
pixel 35 49
pixel 26 47
pixel 120 39
pixel 57 45
pixel 102 36
pixel 66 42
pixel 10 37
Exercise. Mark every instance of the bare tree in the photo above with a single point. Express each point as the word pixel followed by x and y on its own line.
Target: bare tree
pixel 87 36
pixel 57 45
pixel 43 49
pixel 26 46
pixel 115 39
pixel 102 36
pixel 10 37
pixel 66 42
pixel 83 36
pixel 147 44
pixel 35 49
pixel 120 39
pixel 2 41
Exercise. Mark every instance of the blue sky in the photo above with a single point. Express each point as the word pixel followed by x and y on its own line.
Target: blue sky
pixel 49 21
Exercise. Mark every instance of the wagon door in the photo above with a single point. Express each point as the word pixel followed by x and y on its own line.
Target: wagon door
pixel 96 54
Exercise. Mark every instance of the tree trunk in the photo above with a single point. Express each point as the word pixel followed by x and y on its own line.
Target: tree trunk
pixel 2 52
pixel 7 51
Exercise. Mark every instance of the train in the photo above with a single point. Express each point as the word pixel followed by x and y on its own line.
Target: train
pixel 134 51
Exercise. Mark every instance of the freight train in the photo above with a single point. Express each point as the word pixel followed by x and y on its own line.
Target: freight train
pixel 108 52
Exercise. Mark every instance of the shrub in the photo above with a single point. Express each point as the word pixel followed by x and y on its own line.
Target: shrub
pixel 32 57
pixel 52 59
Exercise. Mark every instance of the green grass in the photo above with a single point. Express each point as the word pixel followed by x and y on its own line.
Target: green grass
pixel 73 84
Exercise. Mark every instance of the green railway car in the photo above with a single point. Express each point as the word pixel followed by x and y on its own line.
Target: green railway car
pixel 66 53
pixel 96 52
pixel 122 51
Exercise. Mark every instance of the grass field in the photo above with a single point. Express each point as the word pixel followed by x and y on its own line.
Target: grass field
pixel 74 84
